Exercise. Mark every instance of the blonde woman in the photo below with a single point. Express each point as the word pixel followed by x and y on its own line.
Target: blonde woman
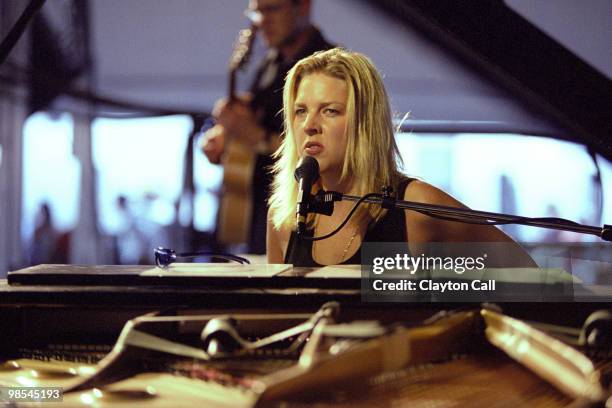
pixel 337 111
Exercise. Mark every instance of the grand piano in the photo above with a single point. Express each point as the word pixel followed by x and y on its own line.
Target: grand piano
pixel 131 335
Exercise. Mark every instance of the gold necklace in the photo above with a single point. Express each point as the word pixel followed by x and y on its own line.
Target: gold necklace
pixel 348 245
pixel 342 259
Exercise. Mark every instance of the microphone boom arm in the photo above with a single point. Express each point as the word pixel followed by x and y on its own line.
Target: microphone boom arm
pixel 323 203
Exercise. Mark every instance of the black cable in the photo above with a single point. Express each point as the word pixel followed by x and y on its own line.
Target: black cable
pixel 343 223
pixel 166 256
pixel 515 219
pixel 464 219
pixel 225 256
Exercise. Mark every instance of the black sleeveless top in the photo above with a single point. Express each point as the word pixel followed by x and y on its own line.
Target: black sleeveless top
pixel 390 228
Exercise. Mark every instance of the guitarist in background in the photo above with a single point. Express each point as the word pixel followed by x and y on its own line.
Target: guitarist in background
pixel 255 119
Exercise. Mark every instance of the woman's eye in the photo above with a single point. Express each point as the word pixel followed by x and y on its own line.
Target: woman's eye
pixel 331 111
pixel 300 111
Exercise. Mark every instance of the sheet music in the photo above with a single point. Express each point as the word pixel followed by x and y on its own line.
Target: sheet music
pixel 217 270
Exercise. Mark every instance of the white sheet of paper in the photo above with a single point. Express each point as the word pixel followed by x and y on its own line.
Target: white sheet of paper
pixel 337 271
pixel 222 270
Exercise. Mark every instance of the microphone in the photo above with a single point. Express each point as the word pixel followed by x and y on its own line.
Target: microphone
pixel 306 173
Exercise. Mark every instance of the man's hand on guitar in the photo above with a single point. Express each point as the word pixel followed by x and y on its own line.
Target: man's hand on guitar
pixel 239 120
pixel 213 143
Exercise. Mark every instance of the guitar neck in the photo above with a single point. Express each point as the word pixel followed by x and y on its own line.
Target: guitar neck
pixel 231 89
pixel 240 56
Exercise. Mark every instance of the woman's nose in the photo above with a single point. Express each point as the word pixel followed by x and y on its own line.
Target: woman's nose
pixel 312 125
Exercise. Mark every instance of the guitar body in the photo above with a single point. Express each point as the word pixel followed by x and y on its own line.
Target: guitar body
pixel 236 204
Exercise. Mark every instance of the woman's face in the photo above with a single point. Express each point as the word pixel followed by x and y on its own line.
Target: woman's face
pixel 319 124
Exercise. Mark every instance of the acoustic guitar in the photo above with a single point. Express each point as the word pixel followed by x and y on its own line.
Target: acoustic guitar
pixel 235 207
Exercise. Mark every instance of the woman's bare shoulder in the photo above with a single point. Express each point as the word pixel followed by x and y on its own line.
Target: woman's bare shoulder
pixel 422 192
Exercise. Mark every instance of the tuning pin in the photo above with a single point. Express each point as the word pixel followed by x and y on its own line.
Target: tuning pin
pixel 220 336
pixel 329 310
pixel 596 332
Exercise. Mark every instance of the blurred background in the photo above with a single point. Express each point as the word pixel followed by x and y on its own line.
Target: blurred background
pixel 101 102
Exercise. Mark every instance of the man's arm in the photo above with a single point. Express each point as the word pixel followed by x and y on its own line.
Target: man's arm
pixel 237 121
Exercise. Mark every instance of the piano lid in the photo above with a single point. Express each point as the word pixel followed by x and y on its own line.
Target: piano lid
pixel 504 47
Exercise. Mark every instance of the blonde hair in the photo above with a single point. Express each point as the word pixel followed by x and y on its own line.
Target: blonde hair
pixel 371 158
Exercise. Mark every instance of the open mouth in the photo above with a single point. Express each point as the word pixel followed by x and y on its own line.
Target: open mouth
pixel 313 148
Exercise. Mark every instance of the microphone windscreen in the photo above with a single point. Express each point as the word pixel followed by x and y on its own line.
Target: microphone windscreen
pixel 308 167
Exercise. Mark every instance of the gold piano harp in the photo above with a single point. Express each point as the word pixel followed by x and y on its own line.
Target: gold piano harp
pixel 235 207
pixel 318 367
